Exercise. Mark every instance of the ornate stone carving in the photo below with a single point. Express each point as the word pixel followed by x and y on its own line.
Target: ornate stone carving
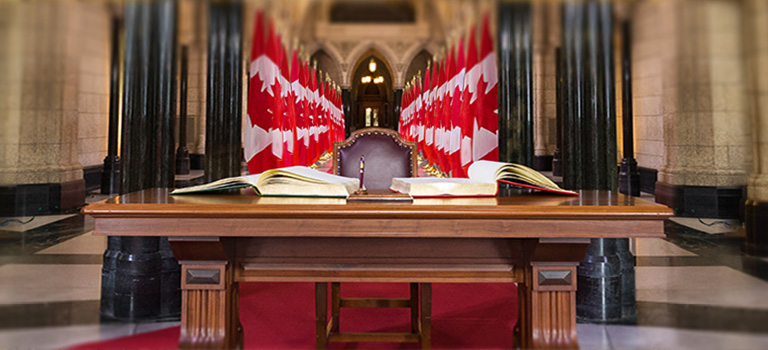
pixel 345 47
pixel 400 46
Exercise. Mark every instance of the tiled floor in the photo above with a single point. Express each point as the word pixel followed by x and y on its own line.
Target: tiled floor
pixel 695 290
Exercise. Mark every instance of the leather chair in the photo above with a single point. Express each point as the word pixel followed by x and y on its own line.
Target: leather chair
pixel 386 156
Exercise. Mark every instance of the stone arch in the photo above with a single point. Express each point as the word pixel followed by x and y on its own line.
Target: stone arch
pixel 416 62
pixel 363 50
pixel 357 99
pixel 328 64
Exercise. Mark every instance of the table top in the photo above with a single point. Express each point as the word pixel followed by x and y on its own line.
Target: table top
pixel 589 204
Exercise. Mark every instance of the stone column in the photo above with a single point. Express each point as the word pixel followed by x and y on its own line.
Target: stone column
pixel 545 22
pixel 39 101
pixel 756 51
pixel 140 277
pixel 515 83
pixel 224 91
pixel 706 130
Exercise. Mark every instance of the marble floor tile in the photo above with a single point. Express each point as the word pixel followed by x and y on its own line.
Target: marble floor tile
pixel 86 243
pixel 154 326
pixel 633 337
pixel 593 336
pixel 35 222
pixel 701 285
pixel 657 247
pixel 24 284
pixel 711 226
pixel 61 337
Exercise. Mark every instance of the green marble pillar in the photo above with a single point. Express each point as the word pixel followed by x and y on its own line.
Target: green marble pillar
pixel 515 83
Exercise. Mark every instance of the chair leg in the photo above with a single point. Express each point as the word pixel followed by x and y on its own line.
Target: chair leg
pixel 415 308
pixel 335 305
pixel 321 314
pixel 426 315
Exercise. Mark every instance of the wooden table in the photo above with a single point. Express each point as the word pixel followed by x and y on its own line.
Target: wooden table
pixel 534 240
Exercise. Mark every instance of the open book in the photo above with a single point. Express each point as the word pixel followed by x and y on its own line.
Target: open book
pixel 483 176
pixel 295 181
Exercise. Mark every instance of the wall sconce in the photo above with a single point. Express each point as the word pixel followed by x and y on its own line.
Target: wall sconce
pixel 366 79
pixel 372 65
pixel 378 80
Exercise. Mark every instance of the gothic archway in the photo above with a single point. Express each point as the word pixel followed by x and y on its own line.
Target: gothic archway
pixel 372 95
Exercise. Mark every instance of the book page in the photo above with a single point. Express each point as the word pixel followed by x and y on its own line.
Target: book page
pixel 485 170
pixel 306 174
pixel 222 184
pixel 431 186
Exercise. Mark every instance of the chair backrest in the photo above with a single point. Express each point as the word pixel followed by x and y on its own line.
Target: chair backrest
pixel 386 156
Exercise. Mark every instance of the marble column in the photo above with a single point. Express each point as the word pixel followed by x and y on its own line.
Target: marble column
pixel 515 83
pixel 756 52
pixel 589 142
pixel 224 91
pixel 140 277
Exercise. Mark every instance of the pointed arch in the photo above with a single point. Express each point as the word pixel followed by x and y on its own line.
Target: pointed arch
pixel 381 52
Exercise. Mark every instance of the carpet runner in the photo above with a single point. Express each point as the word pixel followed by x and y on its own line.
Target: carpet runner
pixel 281 316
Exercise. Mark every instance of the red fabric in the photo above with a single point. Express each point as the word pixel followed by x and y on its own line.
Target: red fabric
pixel 281 316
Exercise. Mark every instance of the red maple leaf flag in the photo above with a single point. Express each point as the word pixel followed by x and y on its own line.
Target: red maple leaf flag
pixel 263 78
pixel 469 102
pixel 450 72
pixel 424 131
pixel 275 102
pixel 321 118
pixel 429 133
pixel 289 118
pixel 486 129
pixel 439 125
pixel 315 115
pixel 297 89
pixel 456 132
pixel 419 129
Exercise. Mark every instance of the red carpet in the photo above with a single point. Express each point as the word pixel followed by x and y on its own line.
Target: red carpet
pixel 281 316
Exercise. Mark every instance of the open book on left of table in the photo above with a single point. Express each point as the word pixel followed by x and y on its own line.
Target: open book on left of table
pixel 295 181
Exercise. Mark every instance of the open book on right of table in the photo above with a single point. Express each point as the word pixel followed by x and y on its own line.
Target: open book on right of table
pixel 483 176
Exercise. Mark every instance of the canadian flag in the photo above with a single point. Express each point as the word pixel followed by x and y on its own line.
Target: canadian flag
pixel 297 87
pixel 316 114
pixel 289 116
pixel 259 134
pixel 429 130
pixel 424 132
pixel 450 68
pixel 419 137
pixel 439 110
pixel 456 131
pixel 486 127
pixel 276 102
pixel 469 102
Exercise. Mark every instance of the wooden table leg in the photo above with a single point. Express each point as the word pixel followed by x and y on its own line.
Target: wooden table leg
pixel 426 315
pixel 547 305
pixel 321 315
pixel 335 307
pixel 209 307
